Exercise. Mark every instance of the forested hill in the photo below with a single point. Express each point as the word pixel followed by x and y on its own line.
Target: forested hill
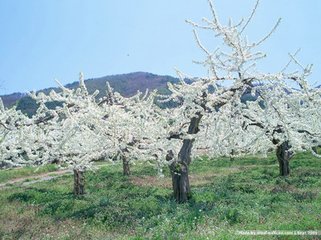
pixel 11 99
pixel 126 84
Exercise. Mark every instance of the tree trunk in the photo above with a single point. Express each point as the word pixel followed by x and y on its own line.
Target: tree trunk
pixel 179 168
pixel 180 182
pixel 126 167
pixel 284 154
pixel 79 182
pixel 232 155
pixel 315 149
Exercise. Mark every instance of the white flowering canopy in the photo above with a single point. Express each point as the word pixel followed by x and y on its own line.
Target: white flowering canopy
pixel 223 121
pixel 209 110
pixel 83 129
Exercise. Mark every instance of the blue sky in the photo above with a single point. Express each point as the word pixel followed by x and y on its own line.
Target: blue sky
pixel 43 40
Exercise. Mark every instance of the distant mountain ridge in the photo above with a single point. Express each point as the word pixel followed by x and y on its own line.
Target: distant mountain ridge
pixel 11 99
pixel 126 84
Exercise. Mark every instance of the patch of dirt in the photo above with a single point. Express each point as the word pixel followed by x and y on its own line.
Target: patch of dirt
pixel 166 182
pixel 151 181
pixel 24 181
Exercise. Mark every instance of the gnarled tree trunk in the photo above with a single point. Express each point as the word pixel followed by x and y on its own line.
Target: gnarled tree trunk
pixel 79 182
pixel 315 149
pixel 232 154
pixel 284 155
pixel 179 168
pixel 180 182
pixel 126 166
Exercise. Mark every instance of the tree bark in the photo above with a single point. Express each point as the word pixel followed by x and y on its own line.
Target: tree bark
pixel 179 168
pixel 79 182
pixel 180 182
pixel 232 155
pixel 126 167
pixel 315 149
pixel 284 155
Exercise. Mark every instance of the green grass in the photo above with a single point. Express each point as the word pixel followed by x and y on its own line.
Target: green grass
pixel 244 194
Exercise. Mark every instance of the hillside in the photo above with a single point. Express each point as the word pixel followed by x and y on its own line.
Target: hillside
pixel 126 84
pixel 11 99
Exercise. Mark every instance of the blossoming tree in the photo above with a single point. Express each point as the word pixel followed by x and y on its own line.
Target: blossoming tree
pixel 85 129
pixel 231 71
pixel 276 120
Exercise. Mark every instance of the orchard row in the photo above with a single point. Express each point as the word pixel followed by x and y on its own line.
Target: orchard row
pixel 235 110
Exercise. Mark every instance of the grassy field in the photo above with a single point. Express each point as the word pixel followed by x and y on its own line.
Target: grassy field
pixel 244 194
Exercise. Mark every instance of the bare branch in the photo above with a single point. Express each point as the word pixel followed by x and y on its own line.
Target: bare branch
pixel 269 34
pixel 251 16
